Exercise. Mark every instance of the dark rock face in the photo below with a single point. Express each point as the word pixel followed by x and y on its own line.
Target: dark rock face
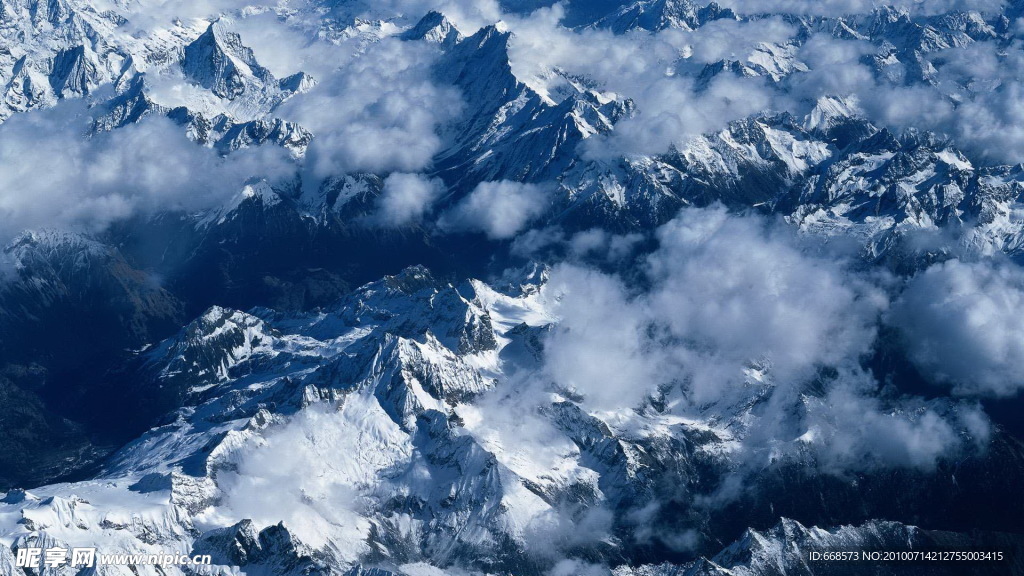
pixel 75 309
pixel 38 445
pixel 271 550
pixel 218 61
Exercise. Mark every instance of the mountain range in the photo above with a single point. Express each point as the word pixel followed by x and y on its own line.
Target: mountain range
pixel 415 288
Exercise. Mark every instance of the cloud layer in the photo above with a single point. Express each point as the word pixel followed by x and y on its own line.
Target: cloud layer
pixel 406 198
pixel 849 7
pixel 962 326
pixel 377 107
pixel 498 209
pixel 734 304
pixel 379 112
pixel 53 176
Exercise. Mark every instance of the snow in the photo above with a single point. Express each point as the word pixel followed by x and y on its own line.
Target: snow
pixel 397 415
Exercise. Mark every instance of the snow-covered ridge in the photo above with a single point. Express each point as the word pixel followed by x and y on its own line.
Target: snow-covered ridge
pixel 376 373
pixel 411 427
pixel 386 431
pixel 201 75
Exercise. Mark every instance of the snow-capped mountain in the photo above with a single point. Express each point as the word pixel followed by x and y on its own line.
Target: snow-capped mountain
pixel 368 427
pixel 405 288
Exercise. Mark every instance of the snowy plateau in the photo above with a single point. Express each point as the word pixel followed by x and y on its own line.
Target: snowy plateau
pixel 512 287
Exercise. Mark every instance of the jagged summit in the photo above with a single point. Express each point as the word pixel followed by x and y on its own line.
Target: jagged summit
pixel 480 66
pixel 434 27
pixel 383 397
pixel 128 107
pixel 217 60
pixel 655 15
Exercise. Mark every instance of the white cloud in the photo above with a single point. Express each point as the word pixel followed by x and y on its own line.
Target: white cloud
pixel 851 429
pixel 670 111
pixel 600 347
pixel 598 242
pixel 962 326
pixel 145 16
pixel 977 100
pixel 835 67
pixel 51 175
pixel 845 7
pixel 745 290
pixel 726 291
pixel 270 479
pixel 468 15
pixel 498 209
pixel 378 112
pixel 406 198
pixel 733 301
pixel 655 70
pixel 572 567
pixel 286 46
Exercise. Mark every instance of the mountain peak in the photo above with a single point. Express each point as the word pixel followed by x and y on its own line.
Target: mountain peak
pixel 830 110
pixel 655 15
pixel 434 27
pixel 217 60
pixel 128 107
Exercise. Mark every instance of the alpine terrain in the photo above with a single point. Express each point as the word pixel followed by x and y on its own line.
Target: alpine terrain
pixel 512 287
